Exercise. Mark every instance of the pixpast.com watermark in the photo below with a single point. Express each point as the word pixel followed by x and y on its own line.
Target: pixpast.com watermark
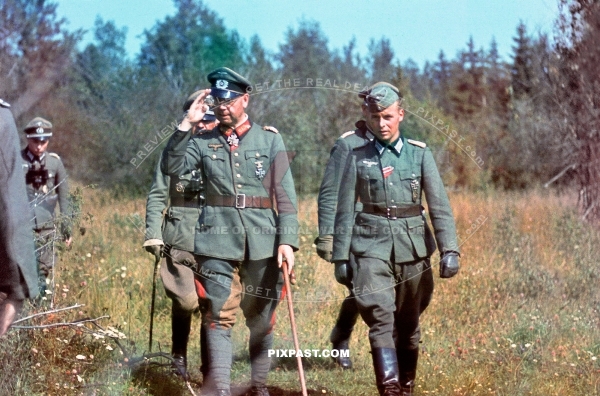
pixel 306 353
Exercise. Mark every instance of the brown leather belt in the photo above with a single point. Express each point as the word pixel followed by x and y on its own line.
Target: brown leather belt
pixel 239 201
pixel 186 203
pixel 393 212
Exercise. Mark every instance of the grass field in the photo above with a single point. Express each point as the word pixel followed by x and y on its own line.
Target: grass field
pixel 521 318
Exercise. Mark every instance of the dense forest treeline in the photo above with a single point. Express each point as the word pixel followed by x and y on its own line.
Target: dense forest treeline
pixel 512 123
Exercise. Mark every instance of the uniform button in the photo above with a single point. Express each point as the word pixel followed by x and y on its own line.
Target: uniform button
pixel 214 156
pixel 238 175
pixel 392 201
pixel 239 186
pixel 257 154
pixel 391 184
pixel 237 164
pixel 236 154
pixel 413 175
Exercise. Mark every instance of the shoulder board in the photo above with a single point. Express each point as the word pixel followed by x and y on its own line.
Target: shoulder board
pixel 417 143
pixel 271 129
pixel 4 104
pixel 54 155
pixel 346 134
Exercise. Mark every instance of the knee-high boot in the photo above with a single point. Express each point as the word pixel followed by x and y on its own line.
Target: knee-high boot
pixel 180 333
pixel 407 363
pixel 340 335
pixel 385 364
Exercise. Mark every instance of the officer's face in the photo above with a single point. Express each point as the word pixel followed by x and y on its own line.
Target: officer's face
pixel 232 112
pixel 386 124
pixel 37 147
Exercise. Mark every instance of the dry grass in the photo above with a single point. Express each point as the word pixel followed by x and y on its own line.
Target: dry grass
pixel 521 318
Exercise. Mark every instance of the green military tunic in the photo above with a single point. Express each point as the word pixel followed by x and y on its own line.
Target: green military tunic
pixel 18 266
pixel 404 238
pixel 177 227
pixel 240 185
pixel 179 199
pixel 328 193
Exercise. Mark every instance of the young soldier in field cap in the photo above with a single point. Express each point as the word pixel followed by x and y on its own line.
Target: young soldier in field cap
pixel 247 228
pixel 46 181
pixel 172 235
pixel 390 239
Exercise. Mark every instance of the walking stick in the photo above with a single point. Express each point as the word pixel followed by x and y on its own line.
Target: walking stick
pixel 290 304
pixel 156 266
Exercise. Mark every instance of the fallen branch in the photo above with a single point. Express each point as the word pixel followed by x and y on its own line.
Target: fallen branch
pixel 59 324
pixel 48 312
pixel 559 175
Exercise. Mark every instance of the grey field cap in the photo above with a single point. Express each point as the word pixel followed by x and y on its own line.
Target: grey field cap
pixel 380 96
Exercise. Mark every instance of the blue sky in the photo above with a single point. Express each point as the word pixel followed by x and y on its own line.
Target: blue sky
pixel 416 29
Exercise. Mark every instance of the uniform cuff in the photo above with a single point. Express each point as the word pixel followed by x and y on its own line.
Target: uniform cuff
pixel 153 242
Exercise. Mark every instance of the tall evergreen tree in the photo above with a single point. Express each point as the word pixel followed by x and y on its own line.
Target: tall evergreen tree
pixel 522 68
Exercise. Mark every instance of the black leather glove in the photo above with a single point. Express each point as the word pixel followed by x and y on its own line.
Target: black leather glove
pixel 324 246
pixel 449 265
pixel 155 250
pixel 341 272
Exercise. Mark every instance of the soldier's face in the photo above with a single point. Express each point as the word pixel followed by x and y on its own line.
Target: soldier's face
pixel 230 113
pixel 386 124
pixel 208 124
pixel 37 147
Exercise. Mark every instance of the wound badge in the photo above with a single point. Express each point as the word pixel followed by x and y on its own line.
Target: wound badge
pixel 179 187
pixel 260 172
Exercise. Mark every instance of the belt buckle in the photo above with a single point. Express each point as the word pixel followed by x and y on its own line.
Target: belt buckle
pixel 388 214
pixel 237 201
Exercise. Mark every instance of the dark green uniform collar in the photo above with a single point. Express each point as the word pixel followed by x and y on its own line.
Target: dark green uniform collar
pixel 395 147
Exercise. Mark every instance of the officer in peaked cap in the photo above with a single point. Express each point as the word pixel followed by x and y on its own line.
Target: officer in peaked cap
pixel 227 84
pixel 39 129
pixel 247 228
pixel 172 235
pixel 18 266
pixel 46 183
pixel 390 239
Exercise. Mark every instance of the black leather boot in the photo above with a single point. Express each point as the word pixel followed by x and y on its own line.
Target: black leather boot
pixel 343 357
pixel 340 335
pixel 259 391
pixel 385 364
pixel 180 332
pixel 204 369
pixel 407 363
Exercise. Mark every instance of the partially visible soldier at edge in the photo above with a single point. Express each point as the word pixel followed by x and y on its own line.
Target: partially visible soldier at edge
pixel 172 235
pixel 390 238
pixel 46 181
pixel 327 203
pixel 248 227
pixel 18 267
